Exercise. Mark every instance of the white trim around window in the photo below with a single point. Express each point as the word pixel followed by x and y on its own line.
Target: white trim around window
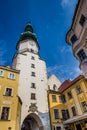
pixel 11 76
pixel 9 115
pixel 11 91
pixel 1 73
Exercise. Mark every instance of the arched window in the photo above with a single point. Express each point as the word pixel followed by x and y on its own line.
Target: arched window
pixel 54 87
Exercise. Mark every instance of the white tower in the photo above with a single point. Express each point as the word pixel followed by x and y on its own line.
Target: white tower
pixel 32 82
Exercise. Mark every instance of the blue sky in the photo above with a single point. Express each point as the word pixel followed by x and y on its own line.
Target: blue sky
pixel 51 19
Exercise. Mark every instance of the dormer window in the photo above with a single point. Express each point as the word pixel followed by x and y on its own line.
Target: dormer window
pixel 81 54
pixel 73 39
pixel 82 20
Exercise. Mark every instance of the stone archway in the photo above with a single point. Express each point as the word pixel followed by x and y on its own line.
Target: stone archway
pixel 32 122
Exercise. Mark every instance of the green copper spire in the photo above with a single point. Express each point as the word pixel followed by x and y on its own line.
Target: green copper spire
pixel 28 34
pixel 28 27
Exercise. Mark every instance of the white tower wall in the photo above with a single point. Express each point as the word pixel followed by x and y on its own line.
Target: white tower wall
pixel 22 61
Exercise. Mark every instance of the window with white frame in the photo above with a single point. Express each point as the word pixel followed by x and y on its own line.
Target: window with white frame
pixel 1 72
pixel 54 98
pixel 11 76
pixel 63 98
pixel 56 114
pixel 65 114
pixel 73 111
pixel 8 92
pixel 84 106
pixel 78 89
pixel 69 95
pixel 5 113
pixel 60 98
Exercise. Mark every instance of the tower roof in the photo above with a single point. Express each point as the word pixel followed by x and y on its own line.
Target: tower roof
pixel 29 27
pixel 28 34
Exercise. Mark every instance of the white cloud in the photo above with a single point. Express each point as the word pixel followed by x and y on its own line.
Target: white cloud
pixel 68 3
pixel 65 49
pixel 64 72
pixel 3 51
pixel 65 3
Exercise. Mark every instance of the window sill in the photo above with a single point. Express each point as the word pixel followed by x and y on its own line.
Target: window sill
pixel 33 87
pixel 2 76
pixel 10 79
pixel 57 118
pixel 4 120
pixel 7 96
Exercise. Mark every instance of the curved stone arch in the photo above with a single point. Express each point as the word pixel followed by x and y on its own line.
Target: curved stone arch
pixel 37 118
pixel 31 120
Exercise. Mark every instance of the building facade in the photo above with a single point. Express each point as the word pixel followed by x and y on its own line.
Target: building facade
pixel 77 35
pixel 55 106
pixel 75 96
pixel 68 105
pixel 10 103
pixel 55 103
pixel 53 83
pixel 33 84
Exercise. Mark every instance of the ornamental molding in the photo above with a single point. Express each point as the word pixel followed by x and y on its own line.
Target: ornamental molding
pixel 33 108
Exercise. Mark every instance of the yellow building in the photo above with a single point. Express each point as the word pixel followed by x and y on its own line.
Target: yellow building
pixel 68 106
pixel 55 106
pixel 10 103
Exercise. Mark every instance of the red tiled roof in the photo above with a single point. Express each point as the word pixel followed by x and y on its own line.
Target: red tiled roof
pixel 67 83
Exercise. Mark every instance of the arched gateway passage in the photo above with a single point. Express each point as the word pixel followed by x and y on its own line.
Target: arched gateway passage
pixel 32 122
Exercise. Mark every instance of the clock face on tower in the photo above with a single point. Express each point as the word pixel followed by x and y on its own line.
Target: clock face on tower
pixel 32 43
